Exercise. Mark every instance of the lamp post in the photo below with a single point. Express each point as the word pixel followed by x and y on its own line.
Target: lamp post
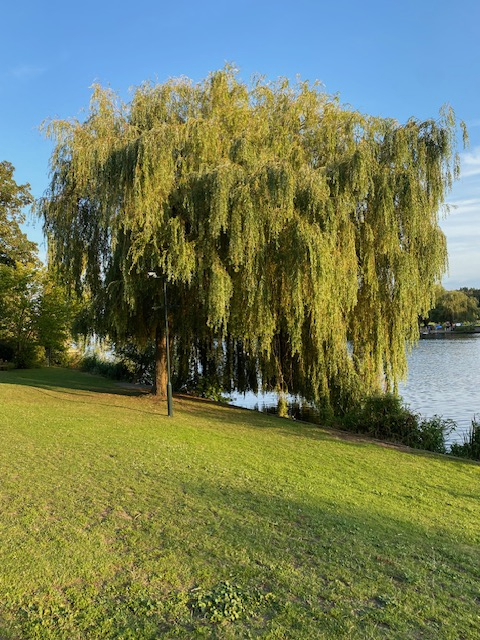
pixel 153 274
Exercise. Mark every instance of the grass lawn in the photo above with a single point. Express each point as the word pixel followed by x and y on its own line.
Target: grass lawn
pixel 119 522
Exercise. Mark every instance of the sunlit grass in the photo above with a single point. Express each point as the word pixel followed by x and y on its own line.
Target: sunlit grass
pixel 116 520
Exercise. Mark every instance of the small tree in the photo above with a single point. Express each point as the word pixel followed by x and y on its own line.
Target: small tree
pixel 19 292
pixel 55 314
pixel 14 244
pixel 34 313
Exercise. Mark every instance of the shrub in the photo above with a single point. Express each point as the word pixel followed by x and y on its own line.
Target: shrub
pixel 381 416
pixel 208 388
pixel 140 362
pixel 471 445
pixel 7 352
pixel 432 433
pixel 384 416
pixel 109 369
pixel 29 356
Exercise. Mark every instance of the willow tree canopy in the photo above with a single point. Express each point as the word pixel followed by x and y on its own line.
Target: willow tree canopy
pixel 299 238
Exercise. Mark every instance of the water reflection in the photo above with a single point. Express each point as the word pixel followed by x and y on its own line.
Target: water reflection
pixel 443 379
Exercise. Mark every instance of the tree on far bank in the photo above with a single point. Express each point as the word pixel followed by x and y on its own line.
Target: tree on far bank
pixel 454 306
pixel 472 292
pixel 299 239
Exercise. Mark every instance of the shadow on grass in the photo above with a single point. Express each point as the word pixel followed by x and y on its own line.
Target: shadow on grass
pixel 68 381
pixel 251 418
pixel 328 564
pixel 248 516
pixel 79 387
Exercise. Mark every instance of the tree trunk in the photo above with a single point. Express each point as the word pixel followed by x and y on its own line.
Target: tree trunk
pixel 161 377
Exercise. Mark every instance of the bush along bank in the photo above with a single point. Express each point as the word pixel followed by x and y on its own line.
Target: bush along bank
pixel 385 417
pixel 471 444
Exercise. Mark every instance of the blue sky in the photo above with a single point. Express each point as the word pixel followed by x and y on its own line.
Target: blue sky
pixel 393 59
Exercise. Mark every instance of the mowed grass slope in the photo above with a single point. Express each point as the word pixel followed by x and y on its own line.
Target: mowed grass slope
pixel 119 522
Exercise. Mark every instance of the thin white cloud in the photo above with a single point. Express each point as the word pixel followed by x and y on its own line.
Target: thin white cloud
pixel 463 207
pixel 27 72
pixel 462 225
pixel 470 163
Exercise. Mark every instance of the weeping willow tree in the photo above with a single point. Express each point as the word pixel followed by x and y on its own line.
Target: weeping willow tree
pixel 299 239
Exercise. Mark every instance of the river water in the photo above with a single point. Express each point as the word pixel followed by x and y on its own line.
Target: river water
pixel 443 379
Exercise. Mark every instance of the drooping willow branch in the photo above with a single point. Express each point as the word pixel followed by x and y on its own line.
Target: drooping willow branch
pixel 302 233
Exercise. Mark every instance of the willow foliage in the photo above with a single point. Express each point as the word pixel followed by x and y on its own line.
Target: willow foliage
pixel 299 238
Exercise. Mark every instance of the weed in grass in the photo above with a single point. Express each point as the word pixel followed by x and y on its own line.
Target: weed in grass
pixel 227 602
